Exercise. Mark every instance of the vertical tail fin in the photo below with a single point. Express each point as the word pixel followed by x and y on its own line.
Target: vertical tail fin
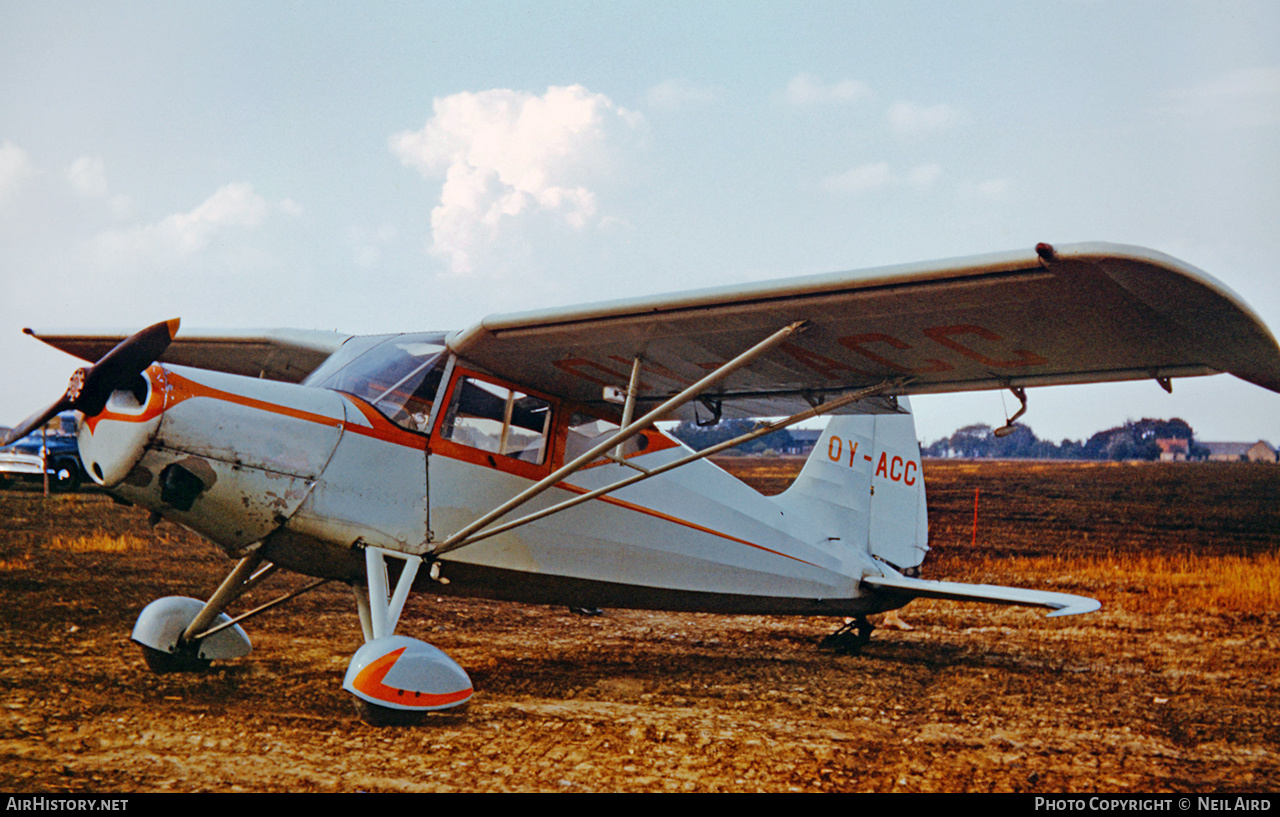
pixel 863 483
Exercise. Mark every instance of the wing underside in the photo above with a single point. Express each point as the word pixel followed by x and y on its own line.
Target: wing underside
pixel 1084 313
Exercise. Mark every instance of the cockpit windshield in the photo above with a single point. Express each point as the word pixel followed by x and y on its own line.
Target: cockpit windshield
pixel 398 374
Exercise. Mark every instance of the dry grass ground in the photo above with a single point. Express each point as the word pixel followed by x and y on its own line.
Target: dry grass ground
pixel 1171 686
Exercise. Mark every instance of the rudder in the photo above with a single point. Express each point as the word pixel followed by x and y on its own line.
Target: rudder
pixel 864 484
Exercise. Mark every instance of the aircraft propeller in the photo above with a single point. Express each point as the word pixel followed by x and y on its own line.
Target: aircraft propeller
pixel 91 386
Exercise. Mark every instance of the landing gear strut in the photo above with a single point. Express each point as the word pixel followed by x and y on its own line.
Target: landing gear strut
pixel 850 638
pixel 180 634
pixel 395 679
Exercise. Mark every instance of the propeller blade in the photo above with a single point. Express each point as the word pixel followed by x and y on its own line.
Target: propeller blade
pixel 124 362
pixel 35 421
pixel 92 385
pixel 139 350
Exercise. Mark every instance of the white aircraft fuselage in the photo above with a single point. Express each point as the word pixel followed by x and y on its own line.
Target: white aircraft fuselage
pixel 311 475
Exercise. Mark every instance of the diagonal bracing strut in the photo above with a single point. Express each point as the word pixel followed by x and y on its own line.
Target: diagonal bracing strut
pixel 621 436
pixel 766 428
pixel 244 577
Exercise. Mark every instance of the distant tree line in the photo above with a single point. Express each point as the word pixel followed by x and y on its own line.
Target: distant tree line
pixel 699 437
pixel 1135 440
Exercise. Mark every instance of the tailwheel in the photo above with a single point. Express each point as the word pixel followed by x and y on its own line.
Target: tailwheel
pixel 397 680
pixel 850 638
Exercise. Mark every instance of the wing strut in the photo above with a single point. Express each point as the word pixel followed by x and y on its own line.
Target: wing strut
pixel 646 473
pixel 623 434
pixel 629 408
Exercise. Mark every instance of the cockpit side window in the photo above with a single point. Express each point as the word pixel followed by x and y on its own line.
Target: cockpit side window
pixel 399 376
pixel 409 405
pixel 499 420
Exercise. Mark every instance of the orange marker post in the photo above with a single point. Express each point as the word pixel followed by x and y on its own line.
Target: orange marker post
pixel 975 517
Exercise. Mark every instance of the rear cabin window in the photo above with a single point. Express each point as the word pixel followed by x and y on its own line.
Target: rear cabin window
pixel 586 431
pixel 498 420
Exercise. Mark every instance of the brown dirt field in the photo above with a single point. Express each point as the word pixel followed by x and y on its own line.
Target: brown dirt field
pixel 1160 690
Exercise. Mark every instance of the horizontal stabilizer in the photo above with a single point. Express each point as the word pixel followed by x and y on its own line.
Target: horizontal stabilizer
pixel 1063 604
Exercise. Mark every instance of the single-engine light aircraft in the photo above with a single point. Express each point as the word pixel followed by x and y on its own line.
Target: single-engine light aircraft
pixel 519 459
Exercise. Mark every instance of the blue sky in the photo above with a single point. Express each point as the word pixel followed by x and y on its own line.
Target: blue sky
pixel 394 166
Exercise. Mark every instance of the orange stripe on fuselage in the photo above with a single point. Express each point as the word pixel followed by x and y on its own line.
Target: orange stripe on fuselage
pixel 155 375
pixel 678 521
pixel 182 389
pixel 169 389
pixel 380 428
pixel 177 389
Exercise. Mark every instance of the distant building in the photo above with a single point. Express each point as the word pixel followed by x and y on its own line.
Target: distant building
pixel 1261 451
pixel 1175 449
pixel 802 441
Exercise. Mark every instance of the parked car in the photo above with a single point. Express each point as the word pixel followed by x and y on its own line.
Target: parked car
pixel 54 452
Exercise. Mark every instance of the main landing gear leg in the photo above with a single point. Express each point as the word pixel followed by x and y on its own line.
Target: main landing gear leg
pixel 395 679
pixel 850 638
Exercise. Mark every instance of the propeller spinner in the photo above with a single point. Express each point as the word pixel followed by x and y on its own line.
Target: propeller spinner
pixel 91 386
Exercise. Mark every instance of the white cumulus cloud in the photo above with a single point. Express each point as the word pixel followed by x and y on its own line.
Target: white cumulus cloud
pixel 15 168
pixel 917 120
pixel 804 90
pixel 507 156
pixel 879 175
pixel 88 177
pixel 232 207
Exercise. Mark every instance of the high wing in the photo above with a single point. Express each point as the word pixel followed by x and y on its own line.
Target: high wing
pixel 275 354
pixel 1080 313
